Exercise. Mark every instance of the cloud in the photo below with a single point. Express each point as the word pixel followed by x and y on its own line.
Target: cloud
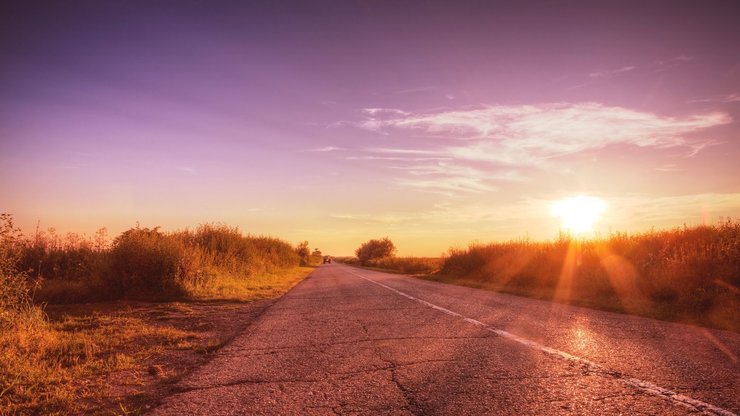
pixel 676 209
pixel 655 66
pixel 611 72
pixel 325 149
pixel 671 62
pixel 727 98
pixel 476 149
pixel 187 169
pixel 379 112
pixel 418 89
pixel 669 167
pixel 404 151
pixel 396 158
pixel 623 213
pixel 533 134
pixel 447 179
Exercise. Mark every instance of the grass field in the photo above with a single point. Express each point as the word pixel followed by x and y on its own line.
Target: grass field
pixel 164 302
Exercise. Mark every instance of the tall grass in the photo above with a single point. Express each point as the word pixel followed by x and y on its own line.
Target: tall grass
pixel 147 263
pixel 690 273
pixel 405 265
pixel 42 361
pixel 16 307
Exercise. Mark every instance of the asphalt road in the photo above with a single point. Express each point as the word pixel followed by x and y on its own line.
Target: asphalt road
pixel 352 341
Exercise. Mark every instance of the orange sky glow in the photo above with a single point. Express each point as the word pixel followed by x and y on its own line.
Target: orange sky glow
pixel 435 125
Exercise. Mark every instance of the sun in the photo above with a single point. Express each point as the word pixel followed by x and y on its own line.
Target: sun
pixel 578 213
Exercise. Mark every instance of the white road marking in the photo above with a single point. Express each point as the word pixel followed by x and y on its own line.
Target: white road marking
pixel 645 386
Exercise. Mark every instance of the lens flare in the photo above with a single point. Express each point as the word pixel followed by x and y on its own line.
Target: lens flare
pixel 578 213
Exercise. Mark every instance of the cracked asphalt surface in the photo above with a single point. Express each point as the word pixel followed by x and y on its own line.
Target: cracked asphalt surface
pixel 340 344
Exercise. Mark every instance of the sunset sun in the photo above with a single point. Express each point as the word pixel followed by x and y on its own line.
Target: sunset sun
pixel 578 213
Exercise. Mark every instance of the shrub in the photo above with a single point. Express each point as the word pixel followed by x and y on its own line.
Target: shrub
pixel 148 263
pixel 375 250
pixel 304 253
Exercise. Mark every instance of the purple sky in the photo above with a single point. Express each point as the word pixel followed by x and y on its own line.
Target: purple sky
pixel 434 123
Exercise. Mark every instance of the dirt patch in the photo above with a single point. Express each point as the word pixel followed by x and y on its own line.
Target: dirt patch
pixel 157 360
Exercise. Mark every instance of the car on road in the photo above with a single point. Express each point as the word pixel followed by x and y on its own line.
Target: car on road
pixel 327 259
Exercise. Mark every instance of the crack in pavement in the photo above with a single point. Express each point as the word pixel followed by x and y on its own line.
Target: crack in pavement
pixel 406 393
pixel 323 359
pixel 646 386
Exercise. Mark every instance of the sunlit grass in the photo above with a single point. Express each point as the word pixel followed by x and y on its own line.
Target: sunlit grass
pixel 100 358
pixel 405 265
pixel 689 274
pixel 263 286
pixel 59 367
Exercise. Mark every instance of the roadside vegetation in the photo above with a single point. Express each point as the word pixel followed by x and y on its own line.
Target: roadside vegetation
pixel 688 274
pixel 403 265
pixel 381 254
pixel 162 299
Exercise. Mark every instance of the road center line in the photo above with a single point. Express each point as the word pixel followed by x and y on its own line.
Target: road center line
pixel 645 386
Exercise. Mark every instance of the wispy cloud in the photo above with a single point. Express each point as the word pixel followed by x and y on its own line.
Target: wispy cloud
pixel 438 213
pixel 418 89
pixel 380 112
pixel 531 134
pixel 188 170
pixel 447 179
pixel 325 149
pixel 611 72
pixel 389 150
pixel 664 64
pixel 727 98
pixel 655 66
pixel 692 208
pixel 476 144
pixel 669 167
pixel 397 158
pixel 529 216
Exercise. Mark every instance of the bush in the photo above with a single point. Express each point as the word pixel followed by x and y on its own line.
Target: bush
pixel 147 264
pixel 304 253
pixel 375 250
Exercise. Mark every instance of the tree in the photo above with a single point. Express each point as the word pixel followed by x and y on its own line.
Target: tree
pixel 375 250
pixel 316 256
pixel 303 252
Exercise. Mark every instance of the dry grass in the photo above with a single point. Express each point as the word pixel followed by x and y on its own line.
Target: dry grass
pixel 686 274
pixel 404 265
pixel 117 358
pixel 263 286
pixel 147 264
pixel 61 367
